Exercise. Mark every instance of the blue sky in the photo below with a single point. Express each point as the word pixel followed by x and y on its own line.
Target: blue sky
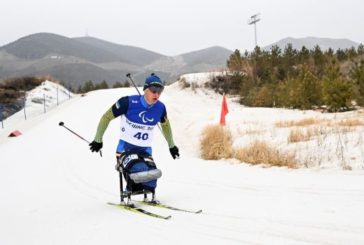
pixel 173 27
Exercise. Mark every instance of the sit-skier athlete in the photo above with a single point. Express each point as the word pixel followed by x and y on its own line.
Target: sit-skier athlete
pixel 139 115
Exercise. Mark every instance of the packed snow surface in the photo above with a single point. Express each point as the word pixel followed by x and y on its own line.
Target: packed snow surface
pixel 54 191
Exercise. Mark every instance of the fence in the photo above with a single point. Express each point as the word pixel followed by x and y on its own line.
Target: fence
pixel 44 98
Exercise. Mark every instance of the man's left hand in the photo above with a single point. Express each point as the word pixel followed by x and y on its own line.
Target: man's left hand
pixel 174 152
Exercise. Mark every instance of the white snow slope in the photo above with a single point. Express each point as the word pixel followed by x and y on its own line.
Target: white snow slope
pixel 54 191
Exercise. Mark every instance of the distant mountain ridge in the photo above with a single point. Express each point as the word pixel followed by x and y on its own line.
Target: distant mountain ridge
pixel 76 60
pixel 311 42
pixel 124 53
pixel 80 59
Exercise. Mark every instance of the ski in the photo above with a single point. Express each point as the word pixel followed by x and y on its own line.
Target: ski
pixel 161 205
pixel 139 210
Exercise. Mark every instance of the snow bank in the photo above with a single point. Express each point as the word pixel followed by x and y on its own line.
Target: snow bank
pixel 331 141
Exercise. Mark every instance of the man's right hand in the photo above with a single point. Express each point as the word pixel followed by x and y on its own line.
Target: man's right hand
pixel 95 146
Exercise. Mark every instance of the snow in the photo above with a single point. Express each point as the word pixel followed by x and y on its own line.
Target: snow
pixel 199 79
pixel 54 191
pixel 38 101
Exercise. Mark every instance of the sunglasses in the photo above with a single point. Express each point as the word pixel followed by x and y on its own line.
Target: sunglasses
pixel 156 90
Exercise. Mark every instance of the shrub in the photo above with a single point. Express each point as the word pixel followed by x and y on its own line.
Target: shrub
pixel 183 83
pixel 14 88
pixel 215 143
pixel 263 97
pixel 227 84
pixel 8 96
pixel 22 83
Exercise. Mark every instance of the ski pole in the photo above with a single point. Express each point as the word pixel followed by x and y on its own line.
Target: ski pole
pixel 79 136
pixel 128 75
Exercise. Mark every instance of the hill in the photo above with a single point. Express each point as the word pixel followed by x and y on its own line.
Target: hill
pixel 311 42
pixel 76 60
pixel 127 54
pixel 209 59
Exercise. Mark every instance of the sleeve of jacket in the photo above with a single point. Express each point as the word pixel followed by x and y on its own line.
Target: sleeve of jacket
pixel 167 132
pixel 119 108
pixel 103 124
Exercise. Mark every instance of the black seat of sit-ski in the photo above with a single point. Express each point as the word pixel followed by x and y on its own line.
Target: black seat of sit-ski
pixel 134 193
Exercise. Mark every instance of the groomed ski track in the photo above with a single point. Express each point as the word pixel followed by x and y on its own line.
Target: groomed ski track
pixel 54 191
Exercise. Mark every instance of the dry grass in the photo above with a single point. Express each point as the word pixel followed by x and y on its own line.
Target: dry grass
pixel 305 134
pixel 353 122
pixel 215 143
pixel 298 135
pixel 299 123
pixel 253 131
pixel 347 167
pixel 260 152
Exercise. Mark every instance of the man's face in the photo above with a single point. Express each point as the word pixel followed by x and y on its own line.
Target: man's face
pixel 152 94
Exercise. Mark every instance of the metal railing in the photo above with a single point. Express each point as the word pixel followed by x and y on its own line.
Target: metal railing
pixel 40 105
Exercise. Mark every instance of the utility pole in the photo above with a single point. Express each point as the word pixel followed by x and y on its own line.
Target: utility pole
pixel 253 21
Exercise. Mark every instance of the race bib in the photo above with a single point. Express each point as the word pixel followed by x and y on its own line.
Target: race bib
pixel 135 133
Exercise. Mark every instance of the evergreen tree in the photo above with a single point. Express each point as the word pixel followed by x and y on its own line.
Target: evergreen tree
pixel 235 62
pixel 282 94
pixel 351 53
pixel 127 84
pixel 117 85
pixel 263 97
pixel 246 84
pixel 102 85
pixel 360 50
pixel 276 68
pixel 275 55
pixel 308 89
pixel 303 55
pixel 319 59
pixel 88 86
pixel 262 68
pixel 289 55
pixel 80 89
pixel 293 90
pixel 341 55
pixel 296 79
pixel 330 54
pixel 337 92
pixel 357 75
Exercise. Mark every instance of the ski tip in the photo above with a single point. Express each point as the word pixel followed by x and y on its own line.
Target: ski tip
pixel 168 217
pixel 199 211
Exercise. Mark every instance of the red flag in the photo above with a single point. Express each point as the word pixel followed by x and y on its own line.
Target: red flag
pixel 224 111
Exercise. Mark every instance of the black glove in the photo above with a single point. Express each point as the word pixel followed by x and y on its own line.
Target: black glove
pixel 174 152
pixel 95 146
